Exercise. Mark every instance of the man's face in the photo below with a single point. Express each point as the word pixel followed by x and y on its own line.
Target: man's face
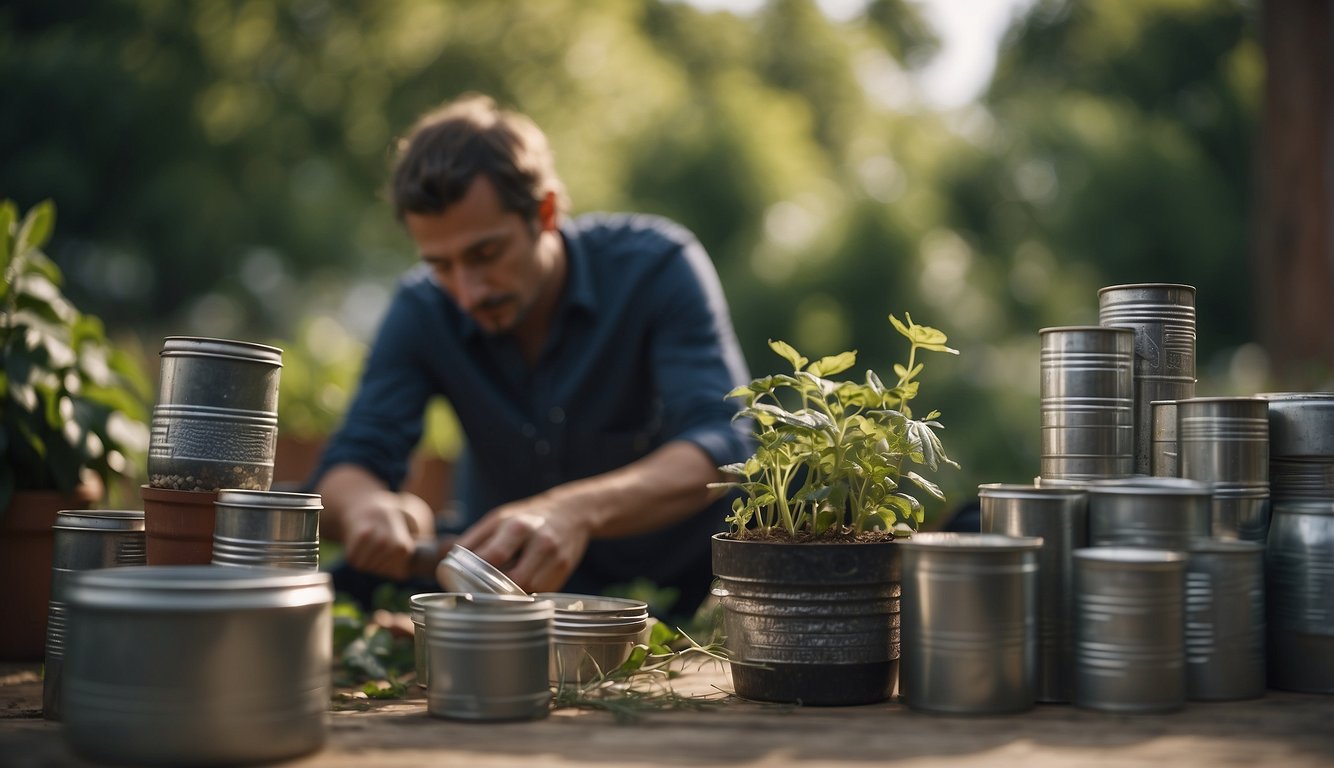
pixel 485 257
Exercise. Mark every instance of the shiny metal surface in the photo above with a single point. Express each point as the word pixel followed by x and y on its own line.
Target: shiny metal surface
pixel 267 528
pixel 1224 441
pixel 215 424
pixel 489 657
pixel 1087 402
pixel 1162 316
pixel 84 540
pixel 1130 629
pixel 592 635
pixel 1299 592
pixel 1301 445
pixel 1164 454
pixel 970 606
pixel 1154 512
pixel 192 665
pixel 1225 620
pixel 417 611
pixel 461 570
pixel 1059 516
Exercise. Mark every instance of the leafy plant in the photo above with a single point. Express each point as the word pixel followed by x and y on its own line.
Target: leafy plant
pixel 831 458
pixel 71 401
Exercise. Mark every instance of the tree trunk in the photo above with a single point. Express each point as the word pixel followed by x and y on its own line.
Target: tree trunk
pixel 1294 252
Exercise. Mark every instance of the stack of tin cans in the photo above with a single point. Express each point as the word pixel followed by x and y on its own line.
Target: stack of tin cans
pixel 1154 505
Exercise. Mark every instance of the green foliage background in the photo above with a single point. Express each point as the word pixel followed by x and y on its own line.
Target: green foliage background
pixel 218 166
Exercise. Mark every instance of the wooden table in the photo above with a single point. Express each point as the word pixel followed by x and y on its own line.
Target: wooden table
pixel 1279 730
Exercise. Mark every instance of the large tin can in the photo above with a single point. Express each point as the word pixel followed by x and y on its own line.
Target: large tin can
pixel 1225 442
pixel 1058 516
pixel 970 604
pixel 1153 512
pixel 1162 316
pixel 84 540
pixel 1225 620
pixel 197 664
pixel 215 424
pixel 1087 402
pixel 1130 629
pixel 489 657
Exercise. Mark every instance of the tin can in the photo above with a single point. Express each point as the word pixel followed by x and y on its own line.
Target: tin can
pixel 1087 402
pixel 84 540
pixel 1153 512
pixel 1225 442
pixel 489 657
pixel 267 528
pixel 1058 516
pixel 1225 620
pixel 1299 592
pixel 970 603
pixel 1130 629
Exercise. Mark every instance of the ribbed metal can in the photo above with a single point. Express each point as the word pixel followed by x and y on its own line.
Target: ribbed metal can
pixel 1162 316
pixel 1225 442
pixel 1087 402
pixel 267 528
pixel 1299 593
pixel 1058 516
pixel 1301 445
pixel 197 664
pixel 84 540
pixel 1164 453
pixel 489 657
pixel 1130 629
pixel 1153 512
pixel 970 605
pixel 417 612
pixel 1225 620
pixel 215 424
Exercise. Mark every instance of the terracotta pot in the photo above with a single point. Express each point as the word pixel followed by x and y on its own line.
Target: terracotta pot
pixel 178 525
pixel 26 544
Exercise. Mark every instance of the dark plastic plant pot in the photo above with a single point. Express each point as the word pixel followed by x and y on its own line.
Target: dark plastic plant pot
pixel 178 525
pixel 821 618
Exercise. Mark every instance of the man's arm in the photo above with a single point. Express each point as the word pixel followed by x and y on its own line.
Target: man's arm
pixel 548 533
pixel 378 527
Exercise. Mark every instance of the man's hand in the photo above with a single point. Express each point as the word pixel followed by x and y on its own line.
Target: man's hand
pixel 380 533
pixel 535 540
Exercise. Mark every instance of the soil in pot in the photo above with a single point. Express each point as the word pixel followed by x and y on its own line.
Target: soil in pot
pixel 816 622
pixel 178 525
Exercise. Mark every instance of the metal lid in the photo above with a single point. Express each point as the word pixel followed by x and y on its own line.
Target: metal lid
pixel 418 602
pixel 236 497
pixel 1146 286
pixel 463 571
pixel 1110 330
pixel 1065 489
pixel 971 542
pixel 499 611
pixel 99 520
pixel 1141 485
pixel 201 346
pixel 594 607
pixel 1213 546
pixel 1166 559
pixel 203 588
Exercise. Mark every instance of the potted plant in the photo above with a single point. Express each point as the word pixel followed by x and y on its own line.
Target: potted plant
pixel 808 574
pixel 72 416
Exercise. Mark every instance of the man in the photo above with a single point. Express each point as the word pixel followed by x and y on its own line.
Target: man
pixel 587 361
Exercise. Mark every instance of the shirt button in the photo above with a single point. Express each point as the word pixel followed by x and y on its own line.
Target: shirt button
pixel 542 447
pixel 528 430
pixel 556 414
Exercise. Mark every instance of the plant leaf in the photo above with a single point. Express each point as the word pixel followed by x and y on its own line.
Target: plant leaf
pixel 788 353
pixel 832 364
pixel 36 227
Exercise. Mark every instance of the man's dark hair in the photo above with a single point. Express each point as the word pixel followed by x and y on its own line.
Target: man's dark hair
pixel 450 146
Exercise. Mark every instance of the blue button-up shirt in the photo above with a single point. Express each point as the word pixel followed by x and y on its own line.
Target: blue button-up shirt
pixel 641 352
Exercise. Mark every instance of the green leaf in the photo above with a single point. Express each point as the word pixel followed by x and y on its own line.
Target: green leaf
pixel 36 227
pixel 926 485
pixel 789 354
pixel 828 366
pixel 8 218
